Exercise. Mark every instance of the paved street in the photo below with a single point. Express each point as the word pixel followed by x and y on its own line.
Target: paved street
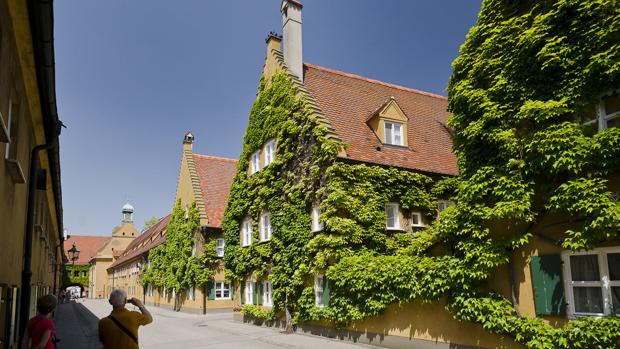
pixel 76 325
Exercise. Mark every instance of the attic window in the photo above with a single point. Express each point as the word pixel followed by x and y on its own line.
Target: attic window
pixel 393 133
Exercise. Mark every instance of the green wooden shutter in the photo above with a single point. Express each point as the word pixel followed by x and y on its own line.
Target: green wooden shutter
pixel 259 292
pixel 210 290
pixel 547 284
pixel 242 294
pixel 326 286
pixel 254 300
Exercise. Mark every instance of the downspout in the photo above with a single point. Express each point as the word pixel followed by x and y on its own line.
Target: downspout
pixel 513 292
pixel 24 301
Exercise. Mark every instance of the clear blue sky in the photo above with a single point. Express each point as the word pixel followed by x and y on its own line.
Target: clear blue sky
pixel 134 76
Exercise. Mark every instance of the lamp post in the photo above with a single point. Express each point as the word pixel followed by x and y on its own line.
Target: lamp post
pixel 74 254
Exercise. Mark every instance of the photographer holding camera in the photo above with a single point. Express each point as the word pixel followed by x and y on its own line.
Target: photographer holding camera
pixel 119 330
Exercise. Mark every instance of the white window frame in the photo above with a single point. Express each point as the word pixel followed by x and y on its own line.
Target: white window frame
pixel 246 232
pixel 222 287
pixel 219 247
pixel 601 114
pixel 392 137
pixel 267 294
pixel 265 231
pixel 255 162
pixel 396 208
pixel 317 225
pixel 605 284
pixel 249 292
pixel 420 221
pixel 270 152
pixel 318 290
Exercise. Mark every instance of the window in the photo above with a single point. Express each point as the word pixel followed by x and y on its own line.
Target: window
pixel 222 290
pixel 391 212
pixel 318 290
pixel 255 162
pixel 317 225
pixel 194 249
pixel 76 273
pixel 191 293
pixel 219 247
pixel 246 232
pixel 149 290
pixel 592 281
pixel 393 133
pixel 83 274
pixel 270 151
pixel 606 113
pixel 68 274
pixel 443 204
pixel 249 293
pixel 416 219
pixel 265 227
pixel 267 300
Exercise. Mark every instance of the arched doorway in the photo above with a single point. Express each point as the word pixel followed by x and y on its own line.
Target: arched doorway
pixel 74 290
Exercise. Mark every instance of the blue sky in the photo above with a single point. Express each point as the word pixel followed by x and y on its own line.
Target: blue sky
pixel 133 76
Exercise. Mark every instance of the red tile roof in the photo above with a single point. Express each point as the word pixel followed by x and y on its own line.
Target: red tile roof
pixel 149 239
pixel 348 100
pixel 216 176
pixel 87 244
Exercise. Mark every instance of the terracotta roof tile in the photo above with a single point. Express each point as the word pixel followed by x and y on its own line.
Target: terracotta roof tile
pixel 216 176
pixel 348 100
pixel 87 244
pixel 149 239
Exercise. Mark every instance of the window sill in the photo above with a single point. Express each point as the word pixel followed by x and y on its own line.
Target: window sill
pixel 221 299
pixel 394 228
pixel 418 226
pixel 15 170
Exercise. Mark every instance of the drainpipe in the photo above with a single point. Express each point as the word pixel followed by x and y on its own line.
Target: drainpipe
pixel 513 291
pixel 24 301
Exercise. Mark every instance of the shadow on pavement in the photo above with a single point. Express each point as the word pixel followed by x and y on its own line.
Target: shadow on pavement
pixel 76 327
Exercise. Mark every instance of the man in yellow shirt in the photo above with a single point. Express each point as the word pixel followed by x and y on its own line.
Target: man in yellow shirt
pixel 119 330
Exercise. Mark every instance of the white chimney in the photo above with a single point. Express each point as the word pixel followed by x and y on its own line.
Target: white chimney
pixel 291 30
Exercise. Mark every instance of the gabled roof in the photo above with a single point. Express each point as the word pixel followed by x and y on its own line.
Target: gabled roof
pixel 347 100
pixel 150 238
pixel 215 176
pixel 87 244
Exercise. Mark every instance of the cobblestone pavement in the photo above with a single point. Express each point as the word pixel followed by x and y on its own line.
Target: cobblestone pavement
pixel 76 325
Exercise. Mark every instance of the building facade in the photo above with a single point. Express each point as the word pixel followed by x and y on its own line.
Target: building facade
pixel 340 218
pixel 31 207
pixel 77 271
pixel 112 249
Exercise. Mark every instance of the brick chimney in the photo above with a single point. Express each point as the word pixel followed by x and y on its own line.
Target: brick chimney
pixel 291 30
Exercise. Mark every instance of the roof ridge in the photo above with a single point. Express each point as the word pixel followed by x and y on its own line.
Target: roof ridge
pixel 215 157
pixel 374 81
pixel 87 236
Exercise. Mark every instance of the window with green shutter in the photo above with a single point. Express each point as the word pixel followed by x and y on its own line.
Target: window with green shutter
pixel 210 290
pixel 547 284
pixel 259 293
pixel 254 298
pixel 242 293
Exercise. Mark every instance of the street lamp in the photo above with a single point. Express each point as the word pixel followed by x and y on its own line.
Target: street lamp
pixel 75 254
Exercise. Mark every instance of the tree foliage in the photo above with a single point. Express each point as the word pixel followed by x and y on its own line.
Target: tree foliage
pixel 175 264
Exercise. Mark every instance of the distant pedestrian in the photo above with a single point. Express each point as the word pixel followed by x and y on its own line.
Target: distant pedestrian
pixel 62 296
pixel 40 332
pixel 119 330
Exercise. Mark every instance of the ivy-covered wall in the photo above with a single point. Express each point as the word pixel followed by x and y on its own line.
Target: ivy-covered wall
pixel 69 278
pixel 527 77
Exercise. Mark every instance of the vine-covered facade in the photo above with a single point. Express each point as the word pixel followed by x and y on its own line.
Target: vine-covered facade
pixel 330 227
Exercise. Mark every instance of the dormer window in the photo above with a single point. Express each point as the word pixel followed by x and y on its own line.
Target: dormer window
pixel 255 162
pixel 393 133
pixel 270 151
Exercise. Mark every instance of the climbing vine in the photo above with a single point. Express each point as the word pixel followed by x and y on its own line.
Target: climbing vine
pixel 527 78
pixel 175 264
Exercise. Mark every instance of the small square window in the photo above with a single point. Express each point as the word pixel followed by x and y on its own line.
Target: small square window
pixel 443 204
pixel 416 219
